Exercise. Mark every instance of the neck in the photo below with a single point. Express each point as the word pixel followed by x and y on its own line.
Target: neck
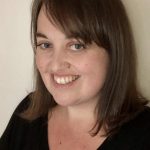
pixel 83 115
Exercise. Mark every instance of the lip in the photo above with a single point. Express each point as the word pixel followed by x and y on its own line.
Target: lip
pixel 67 85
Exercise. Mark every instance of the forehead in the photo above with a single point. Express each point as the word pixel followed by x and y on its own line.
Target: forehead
pixel 45 25
pixel 43 21
pixel 70 27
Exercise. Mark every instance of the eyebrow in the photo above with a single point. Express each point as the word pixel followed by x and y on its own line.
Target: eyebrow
pixel 41 35
pixel 38 35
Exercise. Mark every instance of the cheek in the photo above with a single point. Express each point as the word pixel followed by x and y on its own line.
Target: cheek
pixel 92 65
pixel 41 63
pixel 94 68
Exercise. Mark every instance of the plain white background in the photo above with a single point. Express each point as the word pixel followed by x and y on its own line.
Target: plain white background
pixel 16 56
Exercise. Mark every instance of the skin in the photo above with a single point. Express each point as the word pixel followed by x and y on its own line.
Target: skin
pixel 60 56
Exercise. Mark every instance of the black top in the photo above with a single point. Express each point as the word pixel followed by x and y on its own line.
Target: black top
pixel 23 135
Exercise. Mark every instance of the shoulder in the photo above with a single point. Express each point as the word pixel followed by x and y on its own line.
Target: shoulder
pixel 140 130
pixel 23 105
pixel 141 122
pixel 133 135
pixel 15 119
pixel 18 129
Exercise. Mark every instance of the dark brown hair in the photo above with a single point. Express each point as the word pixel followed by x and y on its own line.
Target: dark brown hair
pixel 104 22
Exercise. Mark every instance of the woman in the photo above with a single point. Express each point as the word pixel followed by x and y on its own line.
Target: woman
pixel 86 96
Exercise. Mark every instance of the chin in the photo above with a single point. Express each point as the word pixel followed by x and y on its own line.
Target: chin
pixel 65 102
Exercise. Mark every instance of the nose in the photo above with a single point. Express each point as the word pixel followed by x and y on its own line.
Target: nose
pixel 59 62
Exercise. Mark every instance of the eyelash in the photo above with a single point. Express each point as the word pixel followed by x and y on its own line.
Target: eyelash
pixel 80 46
pixel 47 45
pixel 41 45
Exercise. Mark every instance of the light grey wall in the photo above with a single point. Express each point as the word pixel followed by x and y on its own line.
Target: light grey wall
pixel 139 14
pixel 16 57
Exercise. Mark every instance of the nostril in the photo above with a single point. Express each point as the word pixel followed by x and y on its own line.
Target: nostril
pixel 67 64
pixel 60 65
pixel 59 61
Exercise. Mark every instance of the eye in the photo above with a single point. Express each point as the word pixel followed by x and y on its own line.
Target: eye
pixel 77 46
pixel 44 46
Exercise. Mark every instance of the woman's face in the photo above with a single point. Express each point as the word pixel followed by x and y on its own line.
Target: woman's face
pixel 72 72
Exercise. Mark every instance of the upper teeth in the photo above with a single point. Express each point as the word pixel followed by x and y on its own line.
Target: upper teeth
pixel 65 80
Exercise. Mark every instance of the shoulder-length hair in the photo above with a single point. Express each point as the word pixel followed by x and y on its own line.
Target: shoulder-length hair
pixel 104 22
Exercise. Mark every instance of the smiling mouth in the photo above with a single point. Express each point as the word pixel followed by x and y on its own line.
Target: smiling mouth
pixel 65 79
